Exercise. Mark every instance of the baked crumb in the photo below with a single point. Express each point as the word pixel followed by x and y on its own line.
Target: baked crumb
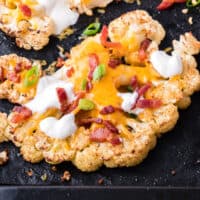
pixel 3 157
pixel 190 20
pixel 100 181
pixel 173 172
pixel 54 168
pixel 185 11
pixel 66 176
pixel 101 10
pixel 29 172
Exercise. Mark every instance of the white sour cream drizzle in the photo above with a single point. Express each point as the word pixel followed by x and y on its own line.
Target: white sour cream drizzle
pixel 46 97
pixel 167 66
pixel 129 99
pixel 61 128
pixel 60 13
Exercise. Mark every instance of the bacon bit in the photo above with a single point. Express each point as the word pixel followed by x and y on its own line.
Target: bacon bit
pixel 168 3
pixel 110 126
pixel 22 113
pixel 13 76
pixel 88 86
pixel 149 103
pixel 18 68
pixel 1 74
pixel 63 99
pixel 134 82
pixel 25 10
pixel 60 62
pixel 143 48
pixel 100 135
pixel 72 106
pixel 144 89
pixel 104 37
pixel 66 176
pixel 93 63
pixel 107 110
pixel 104 135
pixel 70 72
pixel 114 62
pixel 89 121
pixel 28 67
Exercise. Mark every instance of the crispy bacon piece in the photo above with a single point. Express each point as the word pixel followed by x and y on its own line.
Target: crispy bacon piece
pixel 104 37
pixel 114 62
pixel 13 76
pixel 134 82
pixel 110 126
pixel 107 110
pixel 105 135
pixel 88 86
pixel 21 113
pixel 148 103
pixel 89 121
pixel 143 48
pixel 168 3
pixel 63 99
pixel 25 10
pixel 93 63
pixel 72 106
pixel 144 89
pixel 18 67
pixel 70 72
pixel 1 74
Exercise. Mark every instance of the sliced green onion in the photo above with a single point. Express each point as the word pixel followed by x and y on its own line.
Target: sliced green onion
pixel 83 84
pixel 92 29
pixel 86 104
pixel 129 88
pixel 99 72
pixel 192 3
pixel 31 77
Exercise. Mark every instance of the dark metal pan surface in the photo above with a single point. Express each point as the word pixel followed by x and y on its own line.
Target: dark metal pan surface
pixel 176 159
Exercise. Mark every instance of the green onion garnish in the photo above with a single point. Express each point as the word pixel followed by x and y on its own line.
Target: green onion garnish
pixel 31 77
pixel 99 72
pixel 86 104
pixel 192 3
pixel 83 84
pixel 92 29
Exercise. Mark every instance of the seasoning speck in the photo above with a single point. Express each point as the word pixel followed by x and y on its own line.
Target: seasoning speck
pixel 54 168
pixel 100 181
pixel 185 11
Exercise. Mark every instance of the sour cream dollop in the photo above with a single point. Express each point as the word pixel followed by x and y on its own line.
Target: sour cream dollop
pixel 46 96
pixel 59 128
pixel 166 65
pixel 60 13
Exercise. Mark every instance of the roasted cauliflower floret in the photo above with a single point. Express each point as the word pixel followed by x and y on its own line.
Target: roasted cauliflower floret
pixel 3 125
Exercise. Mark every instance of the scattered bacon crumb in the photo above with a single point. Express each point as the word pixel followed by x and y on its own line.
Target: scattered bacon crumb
pixel 134 82
pixel 28 67
pixel 21 113
pixel 148 103
pixel 66 176
pixel 25 10
pixel 104 37
pixel 60 62
pixel 63 99
pixel 93 63
pixel 110 126
pixel 18 67
pixel 1 74
pixel 70 72
pixel 143 48
pixel 89 121
pixel 107 110
pixel 144 89
pixel 13 76
pixel 88 86
pixel 114 62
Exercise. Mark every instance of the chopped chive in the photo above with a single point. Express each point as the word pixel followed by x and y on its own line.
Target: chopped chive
pixel 86 104
pixel 92 29
pixel 31 77
pixel 83 84
pixel 99 72
pixel 192 3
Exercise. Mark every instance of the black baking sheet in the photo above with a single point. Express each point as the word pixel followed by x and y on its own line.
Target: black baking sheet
pixel 176 159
